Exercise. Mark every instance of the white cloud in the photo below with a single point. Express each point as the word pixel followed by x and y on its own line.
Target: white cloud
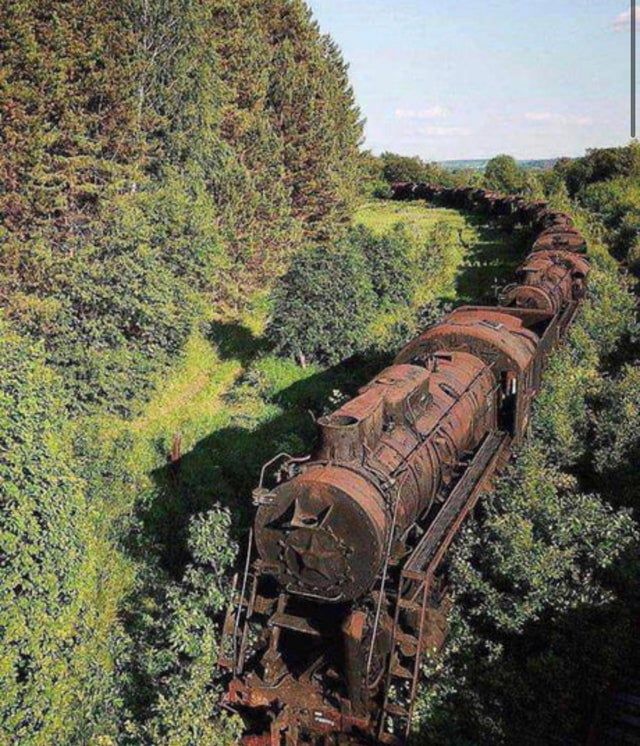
pixel 553 118
pixel 623 21
pixel 432 112
pixel 439 131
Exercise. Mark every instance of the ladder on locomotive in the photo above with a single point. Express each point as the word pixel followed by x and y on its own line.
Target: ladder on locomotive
pixel 235 629
pixel 416 585
pixel 405 646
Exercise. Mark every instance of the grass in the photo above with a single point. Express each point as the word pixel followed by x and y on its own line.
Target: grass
pixel 485 260
pixel 381 215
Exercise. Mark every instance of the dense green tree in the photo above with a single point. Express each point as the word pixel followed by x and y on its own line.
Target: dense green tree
pixel 389 260
pixel 373 183
pixel 503 174
pixel 411 168
pixel 314 111
pixel 323 304
pixel 160 156
pixel 600 164
pixel 617 433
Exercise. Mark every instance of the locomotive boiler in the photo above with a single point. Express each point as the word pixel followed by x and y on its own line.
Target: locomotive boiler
pixel 383 459
pixel 547 280
pixel 344 585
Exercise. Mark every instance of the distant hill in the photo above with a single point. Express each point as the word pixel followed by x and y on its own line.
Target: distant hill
pixel 479 164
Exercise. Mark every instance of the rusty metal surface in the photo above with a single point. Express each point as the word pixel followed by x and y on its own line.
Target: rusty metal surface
pixel 382 458
pixel 547 280
pixel 343 588
pixel 567 239
pixel 496 336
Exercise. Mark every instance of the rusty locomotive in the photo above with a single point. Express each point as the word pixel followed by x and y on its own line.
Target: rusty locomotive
pixel 345 580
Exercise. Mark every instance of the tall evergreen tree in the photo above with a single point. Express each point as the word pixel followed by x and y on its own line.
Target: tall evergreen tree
pixel 313 108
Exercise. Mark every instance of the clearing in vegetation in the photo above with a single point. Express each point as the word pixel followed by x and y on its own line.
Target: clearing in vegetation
pixel 487 256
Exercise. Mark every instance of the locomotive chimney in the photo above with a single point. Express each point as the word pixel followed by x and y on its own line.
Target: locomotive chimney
pixel 358 425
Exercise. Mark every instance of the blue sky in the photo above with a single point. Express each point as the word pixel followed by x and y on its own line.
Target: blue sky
pixel 472 78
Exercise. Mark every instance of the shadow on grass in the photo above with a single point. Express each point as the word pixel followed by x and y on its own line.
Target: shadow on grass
pixel 224 467
pixel 490 263
pixel 235 342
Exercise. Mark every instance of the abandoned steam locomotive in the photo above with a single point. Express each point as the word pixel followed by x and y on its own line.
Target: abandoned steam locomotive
pixel 345 586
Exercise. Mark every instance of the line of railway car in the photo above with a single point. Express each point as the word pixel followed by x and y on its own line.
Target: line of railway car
pixel 345 582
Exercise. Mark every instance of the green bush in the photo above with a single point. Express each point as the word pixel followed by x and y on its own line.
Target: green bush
pixel 62 578
pixel 323 304
pixel 176 690
pixel 617 422
pixel 389 262
pixel 600 164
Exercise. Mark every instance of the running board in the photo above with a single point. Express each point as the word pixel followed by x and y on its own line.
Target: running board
pixel 462 499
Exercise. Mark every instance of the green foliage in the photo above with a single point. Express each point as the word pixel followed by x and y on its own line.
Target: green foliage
pixel 531 584
pixel 605 182
pixel 314 112
pixel 369 292
pixel 397 168
pixel 389 263
pixel 175 690
pixel 540 547
pixel 128 295
pixel 617 423
pixel 323 304
pixel 600 164
pixel 617 204
pixel 503 174
pixel 61 578
pixel 373 183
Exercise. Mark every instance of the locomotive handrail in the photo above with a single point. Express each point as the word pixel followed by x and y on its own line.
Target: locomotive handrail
pixel 245 577
pixel 290 459
pixel 385 568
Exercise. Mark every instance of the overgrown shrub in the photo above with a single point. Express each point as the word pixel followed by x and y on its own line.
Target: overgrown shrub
pixel 617 423
pixel 61 577
pixel 323 305
pixel 389 262
pixel 531 584
pixel 175 689
pixel 600 164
